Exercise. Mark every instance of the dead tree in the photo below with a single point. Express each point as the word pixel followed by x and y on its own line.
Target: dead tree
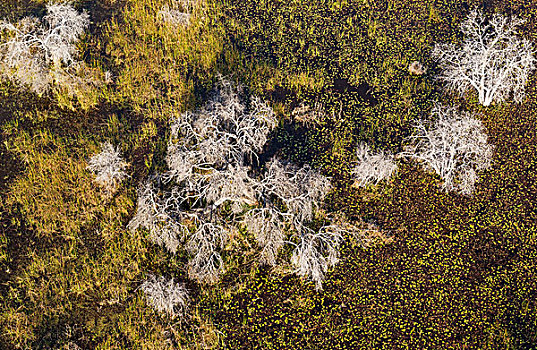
pixel 372 168
pixel 208 157
pixel 166 296
pixel 492 59
pixel 108 167
pixel 38 48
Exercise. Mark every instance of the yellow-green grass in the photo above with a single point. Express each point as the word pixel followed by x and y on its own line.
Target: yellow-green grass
pixel 458 272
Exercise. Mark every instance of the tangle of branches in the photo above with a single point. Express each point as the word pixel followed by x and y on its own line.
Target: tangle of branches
pixel 492 59
pixel 454 146
pixel 210 190
pixel 41 51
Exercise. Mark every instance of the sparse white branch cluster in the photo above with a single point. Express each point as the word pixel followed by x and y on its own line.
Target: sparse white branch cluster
pixel 269 230
pixel 307 114
pixel 454 146
pixel 39 47
pixel 289 197
pixel 492 59
pixel 155 214
pixel 204 246
pixel 300 190
pixel 417 68
pixel 220 133
pixel 178 13
pixel 210 191
pixel 316 252
pixel 108 166
pixel 166 296
pixel 372 168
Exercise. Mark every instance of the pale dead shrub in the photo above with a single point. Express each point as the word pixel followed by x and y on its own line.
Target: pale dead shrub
pixel 308 115
pixel 454 145
pixel 204 245
pixel 372 168
pixel 178 12
pixel 108 167
pixel 417 68
pixel 166 296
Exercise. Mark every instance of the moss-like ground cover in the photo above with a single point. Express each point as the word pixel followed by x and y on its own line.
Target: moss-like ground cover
pixel 456 273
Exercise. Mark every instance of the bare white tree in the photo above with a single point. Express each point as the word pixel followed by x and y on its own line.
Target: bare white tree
pixel 170 222
pixel 174 16
pixel 37 47
pixel 372 168
pixel 454 146
pixel 208 148
pixel 166 296
pixel 208 156
pixel 492 59
pixel 232 185
pixel 317 251
pixel 108 166
pixel 301 190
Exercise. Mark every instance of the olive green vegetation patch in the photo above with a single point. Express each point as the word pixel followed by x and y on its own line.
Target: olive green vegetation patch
pixel 70 269
pixel 458 273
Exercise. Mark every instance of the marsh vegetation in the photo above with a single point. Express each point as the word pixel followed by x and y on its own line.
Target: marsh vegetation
pixel 268 174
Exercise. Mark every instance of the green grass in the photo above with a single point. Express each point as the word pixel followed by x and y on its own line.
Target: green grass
pixel 457 273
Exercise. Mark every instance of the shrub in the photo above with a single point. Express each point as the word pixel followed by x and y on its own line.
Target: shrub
pixel 222 132
pixel 372 168
pixel 417 68
pixel 315 253
pixel 492 59
pixel 108 166
pixel 165 296
pixel 206 157
pixel 300 190
pixel 268 228
pixel 307 114
pixel 454 146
